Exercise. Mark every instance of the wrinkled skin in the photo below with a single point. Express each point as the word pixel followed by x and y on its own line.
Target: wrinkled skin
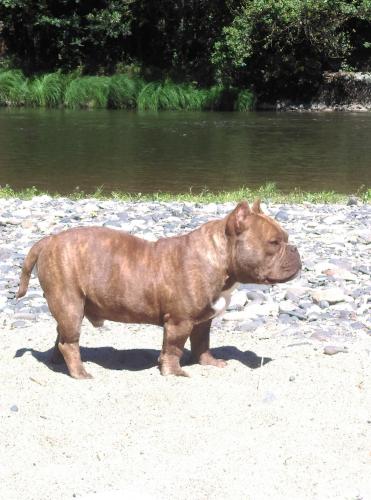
pixel 179 283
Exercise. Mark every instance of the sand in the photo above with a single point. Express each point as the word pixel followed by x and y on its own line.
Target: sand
pixel 282 420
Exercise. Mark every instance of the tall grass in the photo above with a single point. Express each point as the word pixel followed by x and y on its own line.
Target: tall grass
pixel 13 88
pixel 87 92
pixel 119 91
pixel 245 100
pixel 123 91
pixel 46 90
pixel 167 95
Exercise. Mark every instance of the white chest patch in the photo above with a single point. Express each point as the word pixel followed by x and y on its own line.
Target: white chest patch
pixel 221 304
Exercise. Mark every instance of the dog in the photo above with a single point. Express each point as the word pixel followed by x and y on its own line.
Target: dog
pixel 180 283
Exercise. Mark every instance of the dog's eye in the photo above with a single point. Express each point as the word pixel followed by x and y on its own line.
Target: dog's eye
pixel 274 242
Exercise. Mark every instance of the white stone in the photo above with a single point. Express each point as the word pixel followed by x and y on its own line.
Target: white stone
pixel 331 295
pixel 287 306
pixel 238 299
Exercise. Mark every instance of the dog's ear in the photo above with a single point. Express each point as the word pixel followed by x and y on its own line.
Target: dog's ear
pixel 237 220
pixel 256 208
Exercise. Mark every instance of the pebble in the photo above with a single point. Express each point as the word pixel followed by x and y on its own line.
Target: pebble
pixel 334 349
pixel 330 295
pixel 330 301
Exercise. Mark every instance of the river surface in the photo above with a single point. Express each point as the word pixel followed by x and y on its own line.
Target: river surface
pixel 57 150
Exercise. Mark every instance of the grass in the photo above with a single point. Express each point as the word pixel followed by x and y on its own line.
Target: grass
pixel 123 92
pixel 167 95
pixel 13 88
pixel 268 193
pixel 46 90
pixel 87 92
pixel 119 91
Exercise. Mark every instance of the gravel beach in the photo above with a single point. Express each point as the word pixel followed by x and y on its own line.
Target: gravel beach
pixel 288 418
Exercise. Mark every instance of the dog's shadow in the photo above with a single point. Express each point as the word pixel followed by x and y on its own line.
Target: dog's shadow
pixel 140 359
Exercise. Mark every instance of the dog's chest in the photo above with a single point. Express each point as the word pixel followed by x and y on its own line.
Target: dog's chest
pixel 220 305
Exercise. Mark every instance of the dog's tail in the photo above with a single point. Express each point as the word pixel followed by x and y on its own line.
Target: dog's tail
pixel 28 265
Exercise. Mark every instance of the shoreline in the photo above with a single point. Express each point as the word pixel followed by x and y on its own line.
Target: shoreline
pixel 268 193
pixel 288 417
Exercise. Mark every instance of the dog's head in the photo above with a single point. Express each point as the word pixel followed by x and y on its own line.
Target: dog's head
pixel 259 251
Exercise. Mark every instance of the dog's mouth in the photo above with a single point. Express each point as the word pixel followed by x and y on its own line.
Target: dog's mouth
pixel 272 281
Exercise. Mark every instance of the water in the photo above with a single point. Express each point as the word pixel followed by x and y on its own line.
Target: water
pixel 57 150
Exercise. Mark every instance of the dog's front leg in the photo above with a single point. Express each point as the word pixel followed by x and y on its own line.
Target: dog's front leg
pixel 200 346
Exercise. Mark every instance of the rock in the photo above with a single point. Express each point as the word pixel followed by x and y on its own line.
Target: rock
pixel 333 349
pixel 287 319
pixel 287 306
pixel 282 216
pixel 258 297
pixel 238 300
pixel 14 408
pixel 25 316
pixel 298 314
pixel 250 326
pixel 18 324
pixel 314 309
pixel 28 224
pixel 323 304
pixel 295 293
pixel 352 200
pixel 330 295
pixel 339 273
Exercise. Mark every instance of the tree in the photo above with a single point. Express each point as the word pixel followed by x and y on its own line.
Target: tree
pixel 46 35
pixel 282 47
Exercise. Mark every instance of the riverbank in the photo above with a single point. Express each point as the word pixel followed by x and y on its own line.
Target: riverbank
pixel 268 193
pixel 339 91
pixel 120 91
pixel 289 417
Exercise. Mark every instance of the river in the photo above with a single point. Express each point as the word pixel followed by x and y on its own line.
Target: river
pixel 57 150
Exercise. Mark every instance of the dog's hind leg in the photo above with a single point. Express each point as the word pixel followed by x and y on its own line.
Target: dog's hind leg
pixel 68 312
pixel 175 337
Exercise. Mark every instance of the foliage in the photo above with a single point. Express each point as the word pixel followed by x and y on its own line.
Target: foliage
pixel 282 47
pixel 47 35
pixel 279 48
